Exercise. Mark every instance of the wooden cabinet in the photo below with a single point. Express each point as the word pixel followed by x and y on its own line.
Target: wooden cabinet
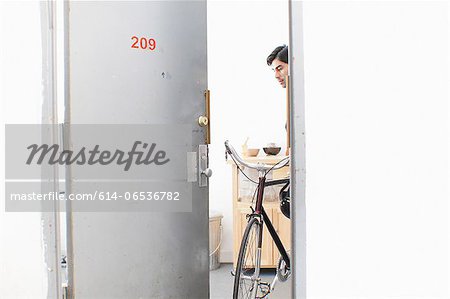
pixel 242 200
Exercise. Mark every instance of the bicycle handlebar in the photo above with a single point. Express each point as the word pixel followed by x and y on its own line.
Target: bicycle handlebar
pixel 258 166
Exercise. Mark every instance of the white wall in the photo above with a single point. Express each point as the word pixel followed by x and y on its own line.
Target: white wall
pixel 22 273
pixel 246 99
pixel 376 82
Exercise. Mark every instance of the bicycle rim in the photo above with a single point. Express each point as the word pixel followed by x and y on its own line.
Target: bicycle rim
pixel 247 268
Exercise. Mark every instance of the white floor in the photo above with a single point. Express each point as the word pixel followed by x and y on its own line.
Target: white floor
pixel 221 284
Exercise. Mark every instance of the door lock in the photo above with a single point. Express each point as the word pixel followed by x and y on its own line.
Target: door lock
pixel 203 121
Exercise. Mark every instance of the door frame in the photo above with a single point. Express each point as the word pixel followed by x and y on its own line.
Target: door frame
pixel 297 137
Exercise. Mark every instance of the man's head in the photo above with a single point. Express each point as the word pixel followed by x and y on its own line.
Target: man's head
pixel 278 60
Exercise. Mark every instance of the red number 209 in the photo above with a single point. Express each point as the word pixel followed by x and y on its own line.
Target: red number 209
pixel 143 43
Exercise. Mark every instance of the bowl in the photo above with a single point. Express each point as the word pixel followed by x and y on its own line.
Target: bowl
pixel 252 152
pixel 272 150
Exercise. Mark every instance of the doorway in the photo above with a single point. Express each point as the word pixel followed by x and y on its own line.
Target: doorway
pixel 248 108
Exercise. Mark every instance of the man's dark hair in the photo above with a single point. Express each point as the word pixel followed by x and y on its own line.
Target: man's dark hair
pixel 280 53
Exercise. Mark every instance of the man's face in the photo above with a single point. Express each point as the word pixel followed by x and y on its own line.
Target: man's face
pixel 281 71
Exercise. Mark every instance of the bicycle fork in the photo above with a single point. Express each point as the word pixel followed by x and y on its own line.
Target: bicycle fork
pixel 256 277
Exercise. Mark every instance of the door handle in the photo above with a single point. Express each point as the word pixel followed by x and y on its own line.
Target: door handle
pixel 204 172
pixel 207 172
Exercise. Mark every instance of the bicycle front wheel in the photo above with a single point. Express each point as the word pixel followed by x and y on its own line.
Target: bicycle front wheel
pixel 249 262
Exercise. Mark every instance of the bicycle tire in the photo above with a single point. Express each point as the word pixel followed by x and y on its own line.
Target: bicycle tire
pixel 252 237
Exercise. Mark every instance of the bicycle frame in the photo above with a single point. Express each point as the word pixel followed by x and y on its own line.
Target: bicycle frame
pixel 259 210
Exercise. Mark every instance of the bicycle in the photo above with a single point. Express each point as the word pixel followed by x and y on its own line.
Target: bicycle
pixel 247 281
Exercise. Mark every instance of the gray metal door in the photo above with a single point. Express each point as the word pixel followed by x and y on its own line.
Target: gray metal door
pixel 138 63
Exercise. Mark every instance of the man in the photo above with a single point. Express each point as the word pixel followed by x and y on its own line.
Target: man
pixel 278 59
